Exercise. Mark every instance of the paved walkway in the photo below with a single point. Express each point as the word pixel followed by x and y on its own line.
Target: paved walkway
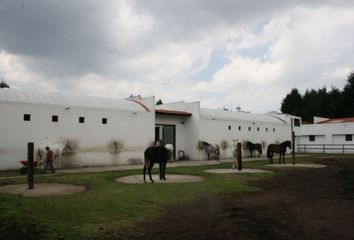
pixel 175 163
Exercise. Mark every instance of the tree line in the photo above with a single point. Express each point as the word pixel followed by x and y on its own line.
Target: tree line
pixel 333 103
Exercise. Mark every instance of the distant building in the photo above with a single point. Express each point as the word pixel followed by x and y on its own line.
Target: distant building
pixel 327 135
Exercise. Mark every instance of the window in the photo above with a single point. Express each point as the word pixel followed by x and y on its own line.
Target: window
pixel 249 128
pixel 26 117
pixel 297 122
pixel 257 129
pixel 266 129
pixel 348 137
pixel 104 120
pixel 312 138
pixel 81 119
pixel 273 129
pixel 239 128
pixel 55 118
pixel 229 127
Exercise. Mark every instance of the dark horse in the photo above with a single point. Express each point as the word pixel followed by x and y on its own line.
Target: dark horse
pixel 281 149
pixel 209 149
pixel 254 146
pixel 158 154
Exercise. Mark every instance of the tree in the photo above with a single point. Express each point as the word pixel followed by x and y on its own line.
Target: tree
pixel 348 96
pixel 309 103
pixel 292 103
pixel 335 105
pixel 3 84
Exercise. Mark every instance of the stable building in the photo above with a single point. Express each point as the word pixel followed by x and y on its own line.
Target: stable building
pixel 102 131
pixel 187 124
pixel 327 136
pixel 106 131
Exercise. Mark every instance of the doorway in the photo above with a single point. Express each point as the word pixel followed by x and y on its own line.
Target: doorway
pixel 166 133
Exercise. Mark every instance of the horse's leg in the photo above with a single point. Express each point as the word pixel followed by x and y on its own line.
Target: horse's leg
pixel 144 171
pixel 271 157
pixel 59 161
pixel 161 169
pixel 151 164
pixel 164 170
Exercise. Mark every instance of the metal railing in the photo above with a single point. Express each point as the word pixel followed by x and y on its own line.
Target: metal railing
pixel 325 148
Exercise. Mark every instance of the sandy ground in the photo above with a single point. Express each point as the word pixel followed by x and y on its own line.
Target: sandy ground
pixel 235 171
pixel 42 189
pixel 170 178
pixel 297 165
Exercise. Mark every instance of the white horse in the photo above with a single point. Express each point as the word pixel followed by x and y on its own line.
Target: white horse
pixel 210 149
pixel 57 149
pixel 170 148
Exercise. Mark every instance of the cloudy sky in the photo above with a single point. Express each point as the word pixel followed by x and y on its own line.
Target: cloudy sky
pixel 223 53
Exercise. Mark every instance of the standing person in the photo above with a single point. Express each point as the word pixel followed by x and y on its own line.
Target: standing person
pixel 49 160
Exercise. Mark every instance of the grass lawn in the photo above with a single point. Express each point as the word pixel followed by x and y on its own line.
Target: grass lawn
pixel 108 205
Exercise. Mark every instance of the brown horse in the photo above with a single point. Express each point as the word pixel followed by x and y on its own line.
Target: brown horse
pixel 281 149
pixel 254 146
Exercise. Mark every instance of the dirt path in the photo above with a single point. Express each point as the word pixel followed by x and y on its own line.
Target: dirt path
pixel 295 204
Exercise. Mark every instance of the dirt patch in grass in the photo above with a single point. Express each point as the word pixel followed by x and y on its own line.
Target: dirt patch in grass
pixel 295 204
pixel 42 189
pixel 170 178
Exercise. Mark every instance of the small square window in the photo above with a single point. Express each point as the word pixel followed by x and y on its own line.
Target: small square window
pixel 81 119
pixel 26 117
pixel 249 128
pixel 55 118
pixel 312 138
pixel 266 129
pixel 297 122
pixel 104 120
pixel 239 128
pixel 273 129
pixel 348 137
pixel 257 129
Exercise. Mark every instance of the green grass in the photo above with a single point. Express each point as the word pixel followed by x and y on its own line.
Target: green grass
pixel 108 205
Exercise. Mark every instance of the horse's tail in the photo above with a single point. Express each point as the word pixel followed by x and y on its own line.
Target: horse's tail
pixel 268 152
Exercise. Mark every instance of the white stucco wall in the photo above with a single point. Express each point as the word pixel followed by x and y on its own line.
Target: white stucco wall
pixel 217 131
pixel 134 129
pixel 187 134
pixel 331 135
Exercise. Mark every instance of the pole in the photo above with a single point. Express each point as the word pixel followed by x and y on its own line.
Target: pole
pixel 293 140
pixel 239 157
pixel 30 147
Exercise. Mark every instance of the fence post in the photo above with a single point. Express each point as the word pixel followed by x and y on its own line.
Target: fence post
pixel 293 146
pixel 30 147
pixel 239 156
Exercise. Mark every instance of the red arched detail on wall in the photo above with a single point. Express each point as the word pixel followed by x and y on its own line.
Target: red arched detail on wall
pixel 140 104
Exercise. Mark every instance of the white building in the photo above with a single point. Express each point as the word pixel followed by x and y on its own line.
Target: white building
pixel 105 131
pixel 327 135
pixel 192 124
pixel 116 131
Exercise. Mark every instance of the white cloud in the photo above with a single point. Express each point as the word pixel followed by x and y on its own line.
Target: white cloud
pixel 164 48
